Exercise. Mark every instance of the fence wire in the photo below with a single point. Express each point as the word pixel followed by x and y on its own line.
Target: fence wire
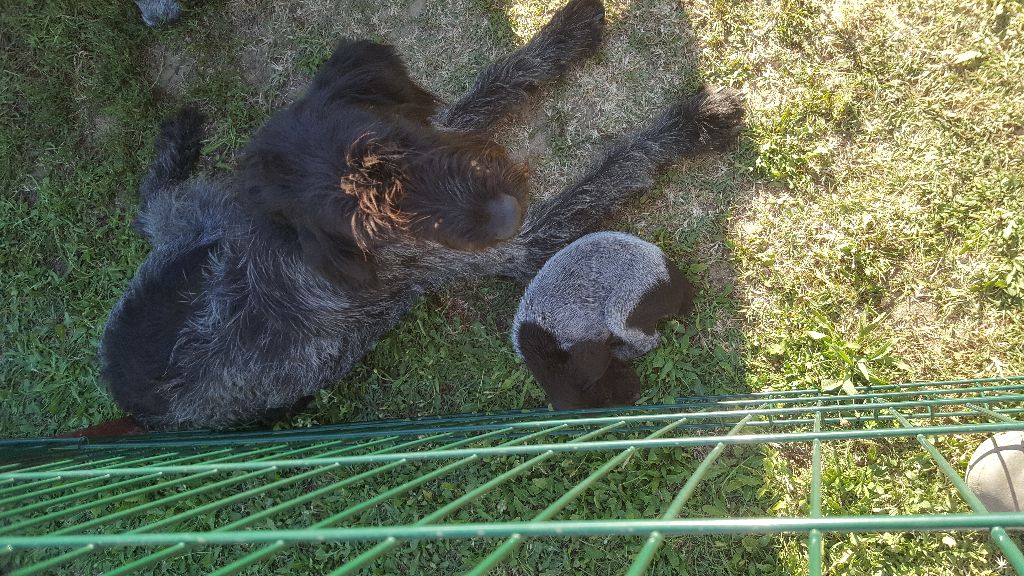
pixel 66 503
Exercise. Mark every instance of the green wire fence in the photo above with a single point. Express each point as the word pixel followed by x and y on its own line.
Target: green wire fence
pixel 368 490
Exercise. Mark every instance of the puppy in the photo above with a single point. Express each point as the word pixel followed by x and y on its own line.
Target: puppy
pixel 592 308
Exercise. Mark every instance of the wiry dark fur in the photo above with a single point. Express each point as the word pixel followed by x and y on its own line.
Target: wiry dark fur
pixel 259 328
pixel 356 164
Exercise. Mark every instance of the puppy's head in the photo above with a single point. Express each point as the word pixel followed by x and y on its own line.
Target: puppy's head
pixel 584 376
pixel 619 384
pixel 463 192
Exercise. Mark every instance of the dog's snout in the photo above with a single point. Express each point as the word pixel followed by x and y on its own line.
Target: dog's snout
pixel 505 216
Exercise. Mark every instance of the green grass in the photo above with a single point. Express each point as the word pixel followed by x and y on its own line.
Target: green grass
pixel 869 227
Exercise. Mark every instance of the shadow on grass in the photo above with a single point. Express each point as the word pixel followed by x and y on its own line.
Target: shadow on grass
pixel 453 353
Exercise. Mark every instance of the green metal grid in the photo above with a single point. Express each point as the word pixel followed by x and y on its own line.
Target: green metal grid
pixel 64 503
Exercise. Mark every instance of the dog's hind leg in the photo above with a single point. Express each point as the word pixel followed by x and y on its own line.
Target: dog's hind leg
pixel 177 151
pixel 170 206
pixel 573 33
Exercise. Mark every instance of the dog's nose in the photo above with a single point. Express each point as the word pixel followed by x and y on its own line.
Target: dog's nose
pixel 505 217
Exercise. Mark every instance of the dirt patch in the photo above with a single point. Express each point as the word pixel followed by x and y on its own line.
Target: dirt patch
pixel 169 70
pixel 256 66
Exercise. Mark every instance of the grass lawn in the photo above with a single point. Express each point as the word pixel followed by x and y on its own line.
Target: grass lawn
pixel 869 227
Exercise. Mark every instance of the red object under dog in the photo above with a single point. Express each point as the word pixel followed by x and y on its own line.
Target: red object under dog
pixel 127 426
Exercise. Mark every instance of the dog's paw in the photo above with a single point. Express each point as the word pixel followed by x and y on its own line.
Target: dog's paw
pixel 159 12
pixel 709 120
pixel 574 32
pixel 719 114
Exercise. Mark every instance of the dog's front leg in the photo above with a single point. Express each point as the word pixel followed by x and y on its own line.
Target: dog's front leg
pixel 574 33
pixel 706 121
pixel 709 120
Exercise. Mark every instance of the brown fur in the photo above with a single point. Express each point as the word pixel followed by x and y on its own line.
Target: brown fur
pixel 379 215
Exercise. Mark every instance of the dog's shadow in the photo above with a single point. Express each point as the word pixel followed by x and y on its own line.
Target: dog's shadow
pixel 453 352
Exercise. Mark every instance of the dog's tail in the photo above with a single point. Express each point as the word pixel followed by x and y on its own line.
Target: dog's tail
pixel 177 151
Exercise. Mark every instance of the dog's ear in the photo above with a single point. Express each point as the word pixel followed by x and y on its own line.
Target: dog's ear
pixel 375 178
pixel 682 287
pixel 338 261
pixel 663 299
pixel 550 366
pixel 540 348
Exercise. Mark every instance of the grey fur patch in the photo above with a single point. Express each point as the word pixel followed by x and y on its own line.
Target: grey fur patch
pixel 159 12
pixel 589 290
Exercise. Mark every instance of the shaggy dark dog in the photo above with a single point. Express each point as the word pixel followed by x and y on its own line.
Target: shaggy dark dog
pixel 251 302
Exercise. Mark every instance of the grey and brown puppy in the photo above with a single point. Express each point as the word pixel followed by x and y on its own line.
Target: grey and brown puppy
pixel 592 308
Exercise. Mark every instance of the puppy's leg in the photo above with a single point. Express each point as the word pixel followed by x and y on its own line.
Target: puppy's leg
pixel 572 34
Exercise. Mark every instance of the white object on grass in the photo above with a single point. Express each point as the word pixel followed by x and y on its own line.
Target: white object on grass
pixel 996 472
